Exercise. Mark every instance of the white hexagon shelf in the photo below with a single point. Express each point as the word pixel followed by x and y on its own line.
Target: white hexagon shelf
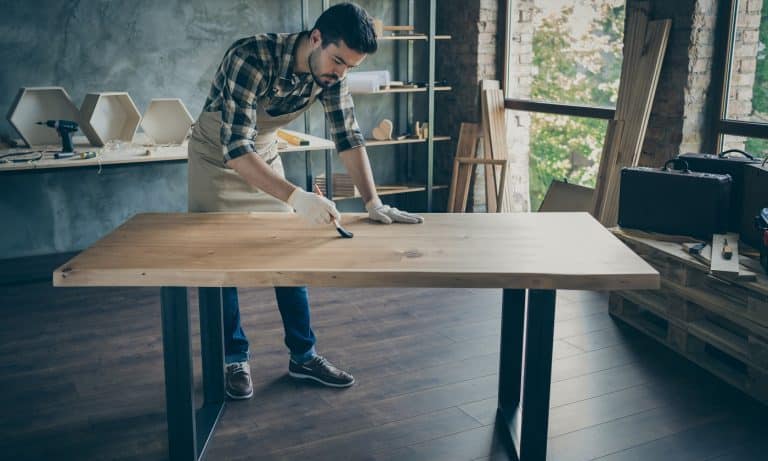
pixel 109 116
pixel 37 104
pixel 167 121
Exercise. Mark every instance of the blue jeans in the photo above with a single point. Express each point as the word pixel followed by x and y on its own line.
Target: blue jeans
pixel 293 303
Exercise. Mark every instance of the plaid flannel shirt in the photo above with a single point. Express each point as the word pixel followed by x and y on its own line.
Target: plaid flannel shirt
pixel 258 71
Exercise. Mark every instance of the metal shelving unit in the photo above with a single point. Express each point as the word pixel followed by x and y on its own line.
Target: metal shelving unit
pixel 404 105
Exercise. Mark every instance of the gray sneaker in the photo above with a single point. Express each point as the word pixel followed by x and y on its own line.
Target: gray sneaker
pixel 238 381
pixel 321 370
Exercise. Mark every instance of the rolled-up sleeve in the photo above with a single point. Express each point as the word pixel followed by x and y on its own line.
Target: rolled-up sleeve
pixel 340 113
pixel 245 82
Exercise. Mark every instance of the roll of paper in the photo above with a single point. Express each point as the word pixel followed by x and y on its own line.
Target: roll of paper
pixel 367 82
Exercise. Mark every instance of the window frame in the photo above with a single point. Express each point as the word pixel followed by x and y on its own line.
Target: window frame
pixel 722 60
pixel 530 105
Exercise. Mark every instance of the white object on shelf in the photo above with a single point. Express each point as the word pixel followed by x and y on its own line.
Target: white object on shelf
pixel 37 104
pixel 109 116
pixel 367 82
pixel 167 121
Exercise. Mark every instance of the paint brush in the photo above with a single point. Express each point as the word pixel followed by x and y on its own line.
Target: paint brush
pixel 342 232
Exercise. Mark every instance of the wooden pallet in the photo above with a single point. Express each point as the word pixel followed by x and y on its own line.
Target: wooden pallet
pixel 738 341
pixel 742 302
pixel 737 359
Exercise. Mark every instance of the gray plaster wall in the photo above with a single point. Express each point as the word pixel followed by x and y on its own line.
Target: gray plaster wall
pixel 150 49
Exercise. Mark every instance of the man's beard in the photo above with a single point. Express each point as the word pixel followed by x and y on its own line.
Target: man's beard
pixel 313 56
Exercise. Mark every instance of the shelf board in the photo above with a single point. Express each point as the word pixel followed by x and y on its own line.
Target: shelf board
pixel 413 37
pixel 396 189
pixel 374 143
pixel 408 90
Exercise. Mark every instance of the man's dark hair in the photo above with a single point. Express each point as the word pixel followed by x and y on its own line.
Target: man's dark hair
pixel 350 23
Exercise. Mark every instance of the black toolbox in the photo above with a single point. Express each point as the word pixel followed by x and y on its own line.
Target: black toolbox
pixel 680 202
pixel 732 162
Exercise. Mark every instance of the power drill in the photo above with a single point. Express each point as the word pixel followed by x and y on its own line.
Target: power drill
pixel 65 129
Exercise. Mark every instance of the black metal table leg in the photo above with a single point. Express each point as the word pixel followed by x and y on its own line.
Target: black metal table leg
pixel 525 372
pixel 179 398
pixel 188 430
pixel 212 354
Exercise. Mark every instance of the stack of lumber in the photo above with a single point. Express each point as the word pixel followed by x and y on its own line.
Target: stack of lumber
pixel 342 185
pixel 645 44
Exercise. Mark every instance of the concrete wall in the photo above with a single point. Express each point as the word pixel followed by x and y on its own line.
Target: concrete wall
pixel 150 49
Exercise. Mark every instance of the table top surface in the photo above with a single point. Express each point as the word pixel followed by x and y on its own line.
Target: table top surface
pixel 520 250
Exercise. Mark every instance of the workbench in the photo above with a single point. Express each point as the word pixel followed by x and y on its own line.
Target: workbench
pixel 528 256
pixel 142 150
pixel 62 205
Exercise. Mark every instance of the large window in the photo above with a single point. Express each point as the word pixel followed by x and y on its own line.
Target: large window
pixel 562 74
pixel 742 57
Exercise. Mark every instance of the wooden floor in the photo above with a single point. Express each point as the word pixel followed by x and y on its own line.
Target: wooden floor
pixel 81 378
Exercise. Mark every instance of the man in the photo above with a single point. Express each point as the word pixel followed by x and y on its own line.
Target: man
pixel 263 83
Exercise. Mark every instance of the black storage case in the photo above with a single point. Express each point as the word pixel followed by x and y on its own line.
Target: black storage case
pixel 731 162
pixel 680 202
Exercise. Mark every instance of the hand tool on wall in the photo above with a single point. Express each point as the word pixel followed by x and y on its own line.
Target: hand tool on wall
pixel 65 128
pixel 342 232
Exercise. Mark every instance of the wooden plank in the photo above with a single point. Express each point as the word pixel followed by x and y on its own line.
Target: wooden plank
pixel 136 152
pixel 393 189
pixel 467 173
pixel 707 344
pixel 495 142
pixel 607 165
pixel 466 181
pixel 465 148
pixel 705 256
pixel 374 143
pixel 413 37
pixel 514 250
pixel 646 42
pixel 490 176
pixel 674 251
pixel 412 90
pixel 563 196
pixel 721 265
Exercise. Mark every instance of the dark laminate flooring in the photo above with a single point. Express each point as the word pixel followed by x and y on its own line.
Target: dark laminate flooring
pixel 81 378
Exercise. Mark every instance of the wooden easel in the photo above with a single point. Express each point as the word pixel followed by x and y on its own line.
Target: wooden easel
pixel 464 166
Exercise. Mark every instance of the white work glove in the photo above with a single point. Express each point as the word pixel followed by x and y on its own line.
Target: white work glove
pixel 386 214
pixel 313 208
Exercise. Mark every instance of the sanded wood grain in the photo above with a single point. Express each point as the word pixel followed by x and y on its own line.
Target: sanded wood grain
pixel 520 250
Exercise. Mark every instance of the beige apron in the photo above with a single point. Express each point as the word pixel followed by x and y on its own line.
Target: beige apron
pixel 212 186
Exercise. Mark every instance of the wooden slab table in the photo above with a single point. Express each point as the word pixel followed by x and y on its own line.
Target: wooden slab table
pixel 529 256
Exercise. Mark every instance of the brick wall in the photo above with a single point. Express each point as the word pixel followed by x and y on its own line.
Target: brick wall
pixel 469 57
pixel 682 101
pixel 743 66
